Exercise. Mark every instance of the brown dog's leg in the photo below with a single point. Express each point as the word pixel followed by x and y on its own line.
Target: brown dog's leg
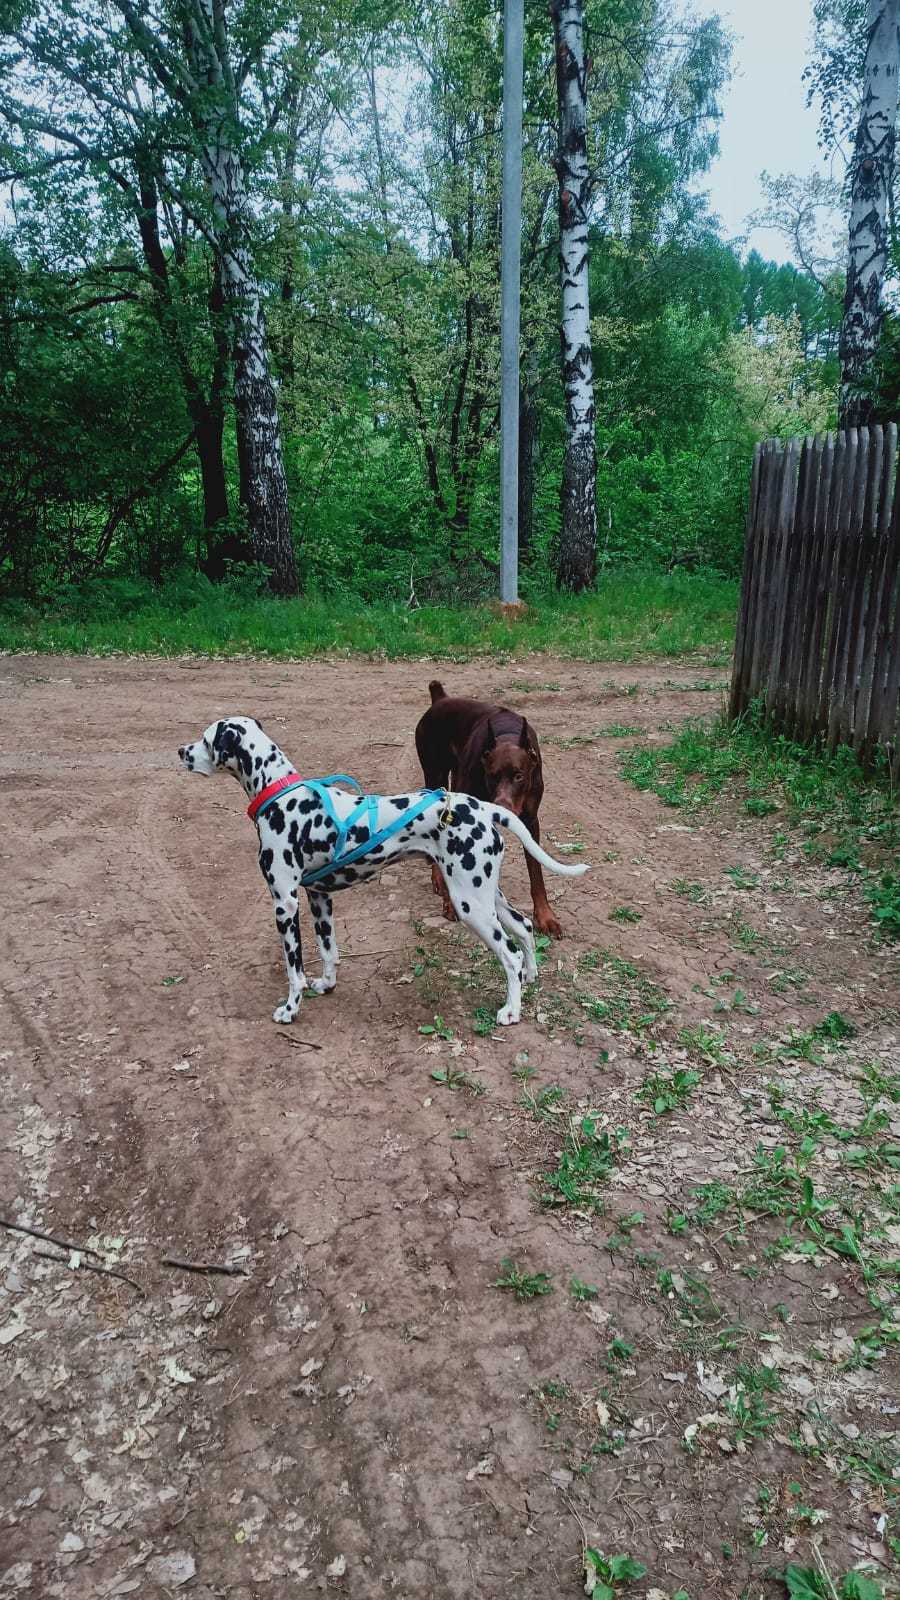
pixel 544 920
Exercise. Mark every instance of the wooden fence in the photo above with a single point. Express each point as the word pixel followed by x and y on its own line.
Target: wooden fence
pixel 818 637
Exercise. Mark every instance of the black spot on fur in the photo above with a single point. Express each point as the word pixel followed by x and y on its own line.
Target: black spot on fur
pixel 401 802
pixel 464 904
pixel 498 934
pixel 476 883
pixel 488 869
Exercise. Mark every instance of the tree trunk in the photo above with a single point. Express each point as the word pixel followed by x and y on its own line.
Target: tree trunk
pixel 210 430
pixel 223 543
pixel 870 186
pixel 263 480
pixel 578 531
pixel 529 446
pixel 207 415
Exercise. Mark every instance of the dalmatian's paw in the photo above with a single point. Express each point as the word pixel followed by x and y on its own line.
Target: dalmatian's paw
pixel 322 985
pixel 507 1015
pixel 285 1013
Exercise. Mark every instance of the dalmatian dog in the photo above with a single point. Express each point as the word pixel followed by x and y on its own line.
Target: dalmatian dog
pixel 296 836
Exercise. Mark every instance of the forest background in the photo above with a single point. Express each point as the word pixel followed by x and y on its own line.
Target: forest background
pixel 249 300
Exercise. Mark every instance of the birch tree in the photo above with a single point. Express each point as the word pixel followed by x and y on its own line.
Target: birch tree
pixel 207 85
pixel 578 493
pixel 871 178
pixel 170 90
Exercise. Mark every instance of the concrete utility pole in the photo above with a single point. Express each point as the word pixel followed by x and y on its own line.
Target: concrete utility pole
pixel 510 254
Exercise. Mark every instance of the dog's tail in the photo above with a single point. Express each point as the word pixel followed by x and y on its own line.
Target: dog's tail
pixel 507 819
pixel 436 690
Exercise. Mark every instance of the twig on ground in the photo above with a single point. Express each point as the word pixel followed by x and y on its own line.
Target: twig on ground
pixel 300 1044
pixel 91 1266
pixel 225 1269
pixel 36 1233
pixel 578 1519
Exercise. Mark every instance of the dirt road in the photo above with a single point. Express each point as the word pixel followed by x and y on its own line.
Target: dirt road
pixel 360 1411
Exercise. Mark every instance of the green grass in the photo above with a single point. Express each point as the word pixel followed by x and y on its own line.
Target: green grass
pixel 524 1285
pixel 634 614
pixel 839 815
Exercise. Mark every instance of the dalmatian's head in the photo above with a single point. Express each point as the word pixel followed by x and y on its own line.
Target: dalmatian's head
pixel 237 745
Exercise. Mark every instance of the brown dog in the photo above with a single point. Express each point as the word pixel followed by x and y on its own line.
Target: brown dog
pixel 491 753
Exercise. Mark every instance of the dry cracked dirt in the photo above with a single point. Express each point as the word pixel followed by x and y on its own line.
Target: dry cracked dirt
pixel 357 1407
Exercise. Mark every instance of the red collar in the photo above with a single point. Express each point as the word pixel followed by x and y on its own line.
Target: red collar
pixel 290 781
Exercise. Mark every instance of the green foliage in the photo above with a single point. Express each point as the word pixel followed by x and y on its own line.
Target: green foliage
pixel 191 615
pixel 382 304
pixel 584 1165
pixel 823 797
pixel 604 1575
pixel 883 896
pixel 524 1285
pixel 814 1583
pixel 667 1091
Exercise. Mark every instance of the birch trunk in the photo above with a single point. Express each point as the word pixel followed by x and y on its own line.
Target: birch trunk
pixel 870 186
pixel 263 481
pixel 578 532
pixel 529 448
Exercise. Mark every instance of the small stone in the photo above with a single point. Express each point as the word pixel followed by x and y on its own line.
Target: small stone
pixel 174 1569
pixel 337 1567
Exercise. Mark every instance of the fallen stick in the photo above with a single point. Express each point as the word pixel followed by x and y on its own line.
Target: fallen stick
pixel 225 1268
pixel 35 1233
pixel 300 1044
pixel 91 1266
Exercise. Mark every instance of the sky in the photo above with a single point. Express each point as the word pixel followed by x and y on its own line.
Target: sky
pixel 766 124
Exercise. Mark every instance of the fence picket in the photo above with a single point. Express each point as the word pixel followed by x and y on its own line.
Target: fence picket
pixel 781 561
pixel 803 579
pixel 807 689
pixel 766 540
pixel 743 636
pixel 879 596
pixel 845 578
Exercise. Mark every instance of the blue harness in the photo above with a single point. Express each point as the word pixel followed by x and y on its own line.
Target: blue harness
pixel 365 813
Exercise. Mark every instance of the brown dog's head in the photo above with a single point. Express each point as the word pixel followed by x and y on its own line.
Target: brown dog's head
pixel 509 765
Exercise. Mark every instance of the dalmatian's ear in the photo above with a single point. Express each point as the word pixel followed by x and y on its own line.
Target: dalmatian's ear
pixel 226 743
